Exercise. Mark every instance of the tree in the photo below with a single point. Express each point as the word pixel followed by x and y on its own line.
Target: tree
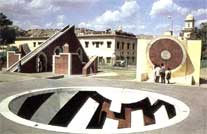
pixel 7 32
pixel 201 33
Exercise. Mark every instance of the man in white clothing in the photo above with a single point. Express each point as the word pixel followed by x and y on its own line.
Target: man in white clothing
pixel 157 73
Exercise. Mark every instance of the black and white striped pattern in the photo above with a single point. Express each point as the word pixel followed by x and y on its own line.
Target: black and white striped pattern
pixel 83 109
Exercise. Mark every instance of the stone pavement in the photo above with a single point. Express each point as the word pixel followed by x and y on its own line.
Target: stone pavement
pixel 194 97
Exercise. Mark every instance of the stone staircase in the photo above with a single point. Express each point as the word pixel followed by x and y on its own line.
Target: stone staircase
pixel 91 66
pixel 31 54
pixel 25 49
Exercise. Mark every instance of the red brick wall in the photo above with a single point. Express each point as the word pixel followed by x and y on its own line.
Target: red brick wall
pixel 76 65
pixel 61 64
pixel 2 64
pixel 29 67
pixel 12 58
pixel 68 37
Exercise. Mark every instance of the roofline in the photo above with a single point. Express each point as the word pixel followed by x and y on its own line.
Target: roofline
pixel 105 36
pixel 29 38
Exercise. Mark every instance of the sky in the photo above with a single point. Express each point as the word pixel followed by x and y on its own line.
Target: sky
pixel 134 16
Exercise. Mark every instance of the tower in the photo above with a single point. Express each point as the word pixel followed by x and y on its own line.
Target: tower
pixel 189 27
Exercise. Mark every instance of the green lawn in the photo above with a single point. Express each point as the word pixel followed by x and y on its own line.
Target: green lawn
pixel 122 73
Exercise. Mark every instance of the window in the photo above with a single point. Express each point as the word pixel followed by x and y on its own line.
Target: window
pixel 100 59
pixel 128 45
pixel 34 44
pixel 39 43
pixel 122 45
pixel 80 53
pixel 188 24
pixel 86 44
pixel 128 58
pixel 133 46
pixel 117 45
pixel 108 44
pixel 57 52
pixel 108 59
pixel 97 45
pixel 133 59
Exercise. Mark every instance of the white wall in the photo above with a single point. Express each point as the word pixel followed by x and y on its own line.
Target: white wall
pixel 30 43
pixel 102 50
pixel 105 52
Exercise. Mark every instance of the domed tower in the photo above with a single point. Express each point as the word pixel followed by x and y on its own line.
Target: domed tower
pixel 189 27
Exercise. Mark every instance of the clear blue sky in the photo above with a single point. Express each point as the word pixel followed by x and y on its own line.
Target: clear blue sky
pixel 136 16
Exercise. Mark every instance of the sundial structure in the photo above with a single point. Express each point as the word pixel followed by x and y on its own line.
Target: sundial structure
pixel 93 110
pixel 181 56
pixel 167 51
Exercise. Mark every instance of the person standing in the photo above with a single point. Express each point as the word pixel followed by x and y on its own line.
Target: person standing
pixel 168 75
pixel 19 67
pixel 162 73
pixel 154 73
pixel 157 73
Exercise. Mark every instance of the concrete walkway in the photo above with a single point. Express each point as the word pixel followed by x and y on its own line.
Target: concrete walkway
pixel 194 97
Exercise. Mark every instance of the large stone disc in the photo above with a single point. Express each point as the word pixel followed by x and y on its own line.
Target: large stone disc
pixel 167 51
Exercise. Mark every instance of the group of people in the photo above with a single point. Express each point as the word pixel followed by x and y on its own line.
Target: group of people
pixel 160 72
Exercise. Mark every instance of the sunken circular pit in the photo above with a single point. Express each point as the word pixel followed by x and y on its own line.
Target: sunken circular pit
pixel 93 110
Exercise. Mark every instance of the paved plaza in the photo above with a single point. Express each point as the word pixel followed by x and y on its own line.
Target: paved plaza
pixel 194 97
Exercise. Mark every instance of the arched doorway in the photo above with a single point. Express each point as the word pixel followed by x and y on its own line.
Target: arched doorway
pixel 41 62
pixel 80 54
pixel 57 50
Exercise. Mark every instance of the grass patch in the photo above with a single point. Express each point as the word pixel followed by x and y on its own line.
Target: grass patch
pixel 122 73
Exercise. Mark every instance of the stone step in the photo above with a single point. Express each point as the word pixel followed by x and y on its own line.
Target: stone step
pixel 161 115
pixel 84 115
pixel 110 124
pixel 137 119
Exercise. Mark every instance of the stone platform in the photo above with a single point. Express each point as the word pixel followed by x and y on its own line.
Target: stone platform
pixel 194 97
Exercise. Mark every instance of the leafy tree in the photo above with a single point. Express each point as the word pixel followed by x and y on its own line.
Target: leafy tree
pixel 13 48
pixel 7 32
pixel 201 33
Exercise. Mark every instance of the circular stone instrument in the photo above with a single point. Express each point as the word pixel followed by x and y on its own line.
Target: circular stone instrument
pixel 168 51
pixel 93 110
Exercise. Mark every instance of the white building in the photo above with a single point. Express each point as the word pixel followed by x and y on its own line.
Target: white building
pixel 110 46
pixel 32 42
pixel 107 45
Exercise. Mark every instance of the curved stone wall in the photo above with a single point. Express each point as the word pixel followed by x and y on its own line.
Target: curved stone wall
pixel 93 110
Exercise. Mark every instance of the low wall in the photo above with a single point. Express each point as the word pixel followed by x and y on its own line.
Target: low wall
pixel 12 58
